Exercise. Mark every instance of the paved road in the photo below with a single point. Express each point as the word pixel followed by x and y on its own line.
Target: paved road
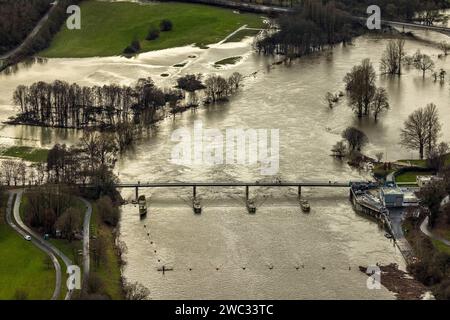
pixel 86 237
pixel 36 242
pixel 49 247
pixel 33 33
pixel 426 230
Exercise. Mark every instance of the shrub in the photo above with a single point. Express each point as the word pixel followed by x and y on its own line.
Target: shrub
pixel 153 34
pixel 108 212
pixel 133 48
pixel 165 25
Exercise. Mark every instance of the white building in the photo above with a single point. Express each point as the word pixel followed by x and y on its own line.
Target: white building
pixel 423 181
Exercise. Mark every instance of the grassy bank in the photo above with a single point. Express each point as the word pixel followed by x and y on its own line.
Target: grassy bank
pixel 109 270
pixel 410 177
pixel 107 28
pixel 26 153
pixel 430 269
pixel 242 34
pixel 22 265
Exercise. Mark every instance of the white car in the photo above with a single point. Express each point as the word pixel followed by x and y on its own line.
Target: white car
pixel 27 237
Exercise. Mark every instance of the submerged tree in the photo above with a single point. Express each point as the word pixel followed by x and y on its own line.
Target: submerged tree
pixel 380 102
pixel 421 130
pixel 423 62
pixel 393 56
pixel 355 138
pixel 191 83
pixel 361 88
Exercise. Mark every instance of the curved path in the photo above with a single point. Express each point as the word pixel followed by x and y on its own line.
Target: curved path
pixel 35 241
pixel 36 237
pixel 426 230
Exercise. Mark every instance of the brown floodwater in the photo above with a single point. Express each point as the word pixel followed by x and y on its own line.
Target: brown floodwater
pixel 286 254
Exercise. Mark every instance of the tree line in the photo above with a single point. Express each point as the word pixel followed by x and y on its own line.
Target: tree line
pixel 15 24
pixel 60 104
pixel 17 19
pixel 311 27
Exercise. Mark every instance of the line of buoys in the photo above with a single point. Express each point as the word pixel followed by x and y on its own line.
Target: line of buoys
pixel 270 267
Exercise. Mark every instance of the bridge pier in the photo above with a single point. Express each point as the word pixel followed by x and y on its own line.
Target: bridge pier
pixel 136 190
pixel 246 192
pixel 299 191
pixel 194 191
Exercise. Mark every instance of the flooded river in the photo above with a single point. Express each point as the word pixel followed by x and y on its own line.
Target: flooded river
pixel 225 253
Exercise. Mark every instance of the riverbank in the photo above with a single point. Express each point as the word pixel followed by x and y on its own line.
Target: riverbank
pixel 399 282
pixel 264 100
pixel 109 27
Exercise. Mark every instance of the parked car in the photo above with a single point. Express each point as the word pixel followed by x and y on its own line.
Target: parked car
pixel 27 237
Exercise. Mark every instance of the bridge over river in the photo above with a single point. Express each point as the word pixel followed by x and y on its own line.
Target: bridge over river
pixel 246 185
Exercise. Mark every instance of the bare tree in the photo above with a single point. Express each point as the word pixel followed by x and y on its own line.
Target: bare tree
pixel 393 56
pixel 22 171
pixel 8 170
pixel 433 126
pixel 423 62
pixel 235 80
pixel 421 129
pixel 379 103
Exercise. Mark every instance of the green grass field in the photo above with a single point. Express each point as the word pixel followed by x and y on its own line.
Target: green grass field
pixel 410 177
pixel 107 28
pixel 22 265
pixel 441 247
pixel 26 153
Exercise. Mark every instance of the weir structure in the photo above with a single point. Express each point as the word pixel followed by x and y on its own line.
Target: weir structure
pixel 246 185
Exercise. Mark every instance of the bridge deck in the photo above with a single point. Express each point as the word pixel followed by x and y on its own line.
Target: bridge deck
pixel 236 184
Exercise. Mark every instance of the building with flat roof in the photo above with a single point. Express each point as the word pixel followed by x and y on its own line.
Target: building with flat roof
pixel 392 197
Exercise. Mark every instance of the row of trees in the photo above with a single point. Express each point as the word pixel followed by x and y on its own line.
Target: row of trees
pixel 60 104
pixel 313 26
pixel 395 56
pixel 17 19
pixel 90 162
